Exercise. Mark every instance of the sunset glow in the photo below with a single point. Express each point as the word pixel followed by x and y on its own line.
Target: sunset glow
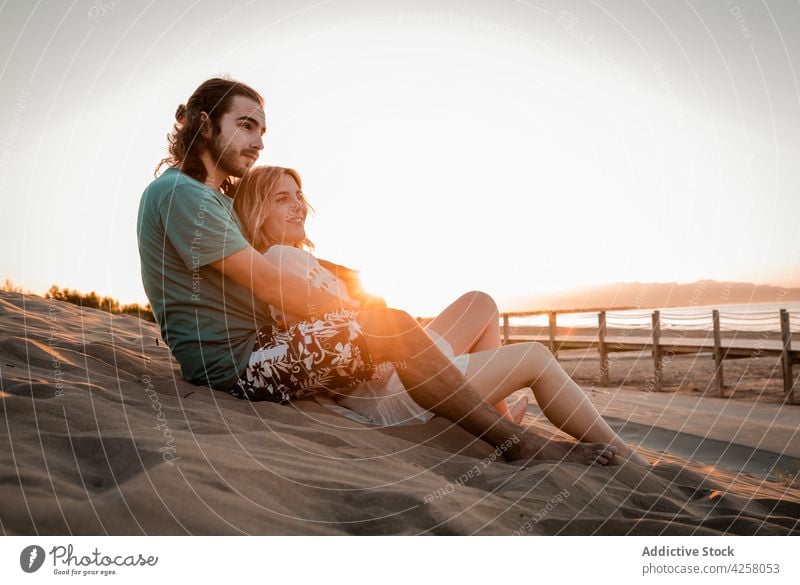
pixel 525 152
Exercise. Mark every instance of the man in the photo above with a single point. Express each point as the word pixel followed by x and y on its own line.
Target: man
pixel 209 290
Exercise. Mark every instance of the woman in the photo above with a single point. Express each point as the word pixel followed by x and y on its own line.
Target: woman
pixel 272 209
pixel 263 219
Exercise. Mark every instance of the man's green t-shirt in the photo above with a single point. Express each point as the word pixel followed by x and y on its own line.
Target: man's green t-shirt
pixel 208 321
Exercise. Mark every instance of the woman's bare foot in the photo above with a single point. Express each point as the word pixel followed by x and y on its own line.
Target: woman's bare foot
pixel 534 447
pixel 516 412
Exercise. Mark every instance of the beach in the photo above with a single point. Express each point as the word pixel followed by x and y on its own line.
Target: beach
pixel 101 436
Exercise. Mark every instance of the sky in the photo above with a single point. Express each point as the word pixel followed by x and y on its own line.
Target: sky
pixel 513 147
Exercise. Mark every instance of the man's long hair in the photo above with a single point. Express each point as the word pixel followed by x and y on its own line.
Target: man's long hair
pixel 191 136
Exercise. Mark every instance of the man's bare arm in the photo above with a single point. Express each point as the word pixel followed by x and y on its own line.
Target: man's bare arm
pixel 284 291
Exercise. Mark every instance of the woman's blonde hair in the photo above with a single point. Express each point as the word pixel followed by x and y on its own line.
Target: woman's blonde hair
pixel 252 201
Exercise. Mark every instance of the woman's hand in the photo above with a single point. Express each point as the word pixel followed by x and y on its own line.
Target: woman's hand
pixel 347 275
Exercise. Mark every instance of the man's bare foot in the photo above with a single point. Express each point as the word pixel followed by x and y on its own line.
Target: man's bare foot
pixel 531 447
pixel 632 456
pixel 516 412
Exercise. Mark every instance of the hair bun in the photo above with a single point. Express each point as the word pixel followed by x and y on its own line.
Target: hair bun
pixel 180 113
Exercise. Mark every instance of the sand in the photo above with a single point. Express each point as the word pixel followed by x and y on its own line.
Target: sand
pixel 100 436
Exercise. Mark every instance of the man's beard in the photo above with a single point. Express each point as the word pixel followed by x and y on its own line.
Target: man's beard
pixel 226 159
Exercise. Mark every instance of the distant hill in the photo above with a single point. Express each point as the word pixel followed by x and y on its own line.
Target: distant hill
pixel 655 295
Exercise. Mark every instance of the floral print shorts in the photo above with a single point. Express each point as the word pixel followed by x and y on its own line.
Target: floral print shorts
pixel 326 354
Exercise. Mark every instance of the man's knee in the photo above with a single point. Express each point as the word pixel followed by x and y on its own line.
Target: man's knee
pixel 385 322
pixel 385 332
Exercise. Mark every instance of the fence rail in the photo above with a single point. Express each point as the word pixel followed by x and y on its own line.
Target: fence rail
pixel 660 344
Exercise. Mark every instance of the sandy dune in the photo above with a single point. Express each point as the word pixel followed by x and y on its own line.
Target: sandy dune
pixel 100 436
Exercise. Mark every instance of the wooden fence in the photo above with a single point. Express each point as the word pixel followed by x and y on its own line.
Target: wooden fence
pixel 661 345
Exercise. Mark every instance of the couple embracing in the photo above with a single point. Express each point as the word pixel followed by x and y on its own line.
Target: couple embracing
pixel 245 308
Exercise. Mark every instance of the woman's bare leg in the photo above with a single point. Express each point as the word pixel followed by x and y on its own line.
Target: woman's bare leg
pixel 466 323
pixel 435 383
pixel 471 324
pixel 496 373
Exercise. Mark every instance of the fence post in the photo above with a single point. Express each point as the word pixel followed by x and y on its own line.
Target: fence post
pixel 718 356
pixel 505 329
pixel 601 347
pixel 786 356
pixel 552 327
pixel 658 366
